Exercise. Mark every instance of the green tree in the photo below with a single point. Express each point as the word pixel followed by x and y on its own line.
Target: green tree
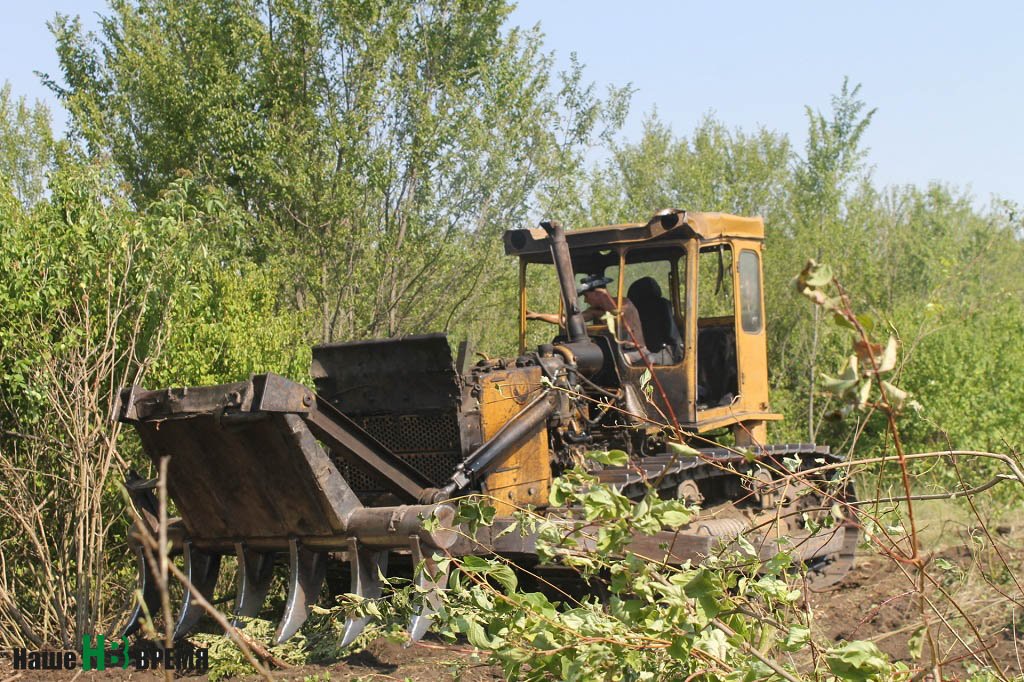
pixel 382 147
pixel 830 184
pixel 713 169
pixel 96 295
pixel 26 146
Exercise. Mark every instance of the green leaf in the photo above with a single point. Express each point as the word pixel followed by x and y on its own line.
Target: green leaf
pixel 672 514
pixel 837 386
pixel 896 396
pixel 706 591
pixel 645 380
pixel 474 632
pixel 500 572
pixel 560 492
pixel 538 602
pixel 814 275
pixel 851 369
pixel 745 546
pixel 680 648
pixel 778 563
pixel 682 449
pixel 915 643
pixel 820 275
pixel 776 589
pixel 797 638
pixel 841 321
pixel 715 642
pixel 618 458
pixel 863 394
pixel 857 661
pixel 475 512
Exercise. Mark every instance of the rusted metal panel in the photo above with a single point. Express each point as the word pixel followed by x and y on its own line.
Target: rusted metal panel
pixel 523 476
pixel 218 474
pixel 137 403
pixel 408 375
pixel 274 393
pixel 532 244
pixel 407 395
pixel 260 393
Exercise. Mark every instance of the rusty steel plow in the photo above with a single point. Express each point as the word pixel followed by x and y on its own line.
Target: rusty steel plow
pixel 253 473
pixel 307 567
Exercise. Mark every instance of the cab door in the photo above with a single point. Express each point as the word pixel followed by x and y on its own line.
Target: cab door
pixel 751 346
pixel 731 356
pixel 717 367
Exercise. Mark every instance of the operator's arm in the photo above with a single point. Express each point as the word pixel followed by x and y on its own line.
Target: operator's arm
pixel 589 315
pixel 551 318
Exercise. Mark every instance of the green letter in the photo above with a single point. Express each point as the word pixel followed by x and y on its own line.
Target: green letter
pixel 93 657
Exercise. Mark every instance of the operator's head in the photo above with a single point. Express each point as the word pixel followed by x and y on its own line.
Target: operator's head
pixel 593 290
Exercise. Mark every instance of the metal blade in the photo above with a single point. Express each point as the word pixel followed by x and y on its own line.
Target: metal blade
pixel 367 567
pixel 428 577
pixel 201 568
pixel 146 585
pixel 255 573
pixel 305 578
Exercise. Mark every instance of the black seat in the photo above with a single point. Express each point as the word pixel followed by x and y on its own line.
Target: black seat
pixel 656 318
pixel 716 366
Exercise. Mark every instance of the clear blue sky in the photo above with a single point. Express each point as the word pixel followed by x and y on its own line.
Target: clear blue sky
pixel 947 78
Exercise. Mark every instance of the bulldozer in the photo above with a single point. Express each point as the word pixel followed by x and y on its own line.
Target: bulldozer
pixel 390 432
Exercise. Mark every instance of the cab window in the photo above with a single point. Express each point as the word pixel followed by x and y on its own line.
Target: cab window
pixel 750 291
pixel 714 284
pixel 654 292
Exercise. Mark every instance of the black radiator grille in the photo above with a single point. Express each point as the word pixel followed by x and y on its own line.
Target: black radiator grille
pixel 428 442
pixel 414 433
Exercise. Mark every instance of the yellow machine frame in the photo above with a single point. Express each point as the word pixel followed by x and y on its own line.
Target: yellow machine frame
pixel 749 411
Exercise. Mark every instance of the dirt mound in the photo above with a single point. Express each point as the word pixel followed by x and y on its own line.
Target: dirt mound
pixel 973 602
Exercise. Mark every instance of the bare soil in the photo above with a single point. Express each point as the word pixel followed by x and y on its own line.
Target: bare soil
pixel 978 598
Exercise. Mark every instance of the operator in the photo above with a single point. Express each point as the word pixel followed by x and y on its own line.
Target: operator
pixel 594 292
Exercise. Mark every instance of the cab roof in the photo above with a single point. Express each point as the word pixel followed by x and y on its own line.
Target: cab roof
pixel 668 226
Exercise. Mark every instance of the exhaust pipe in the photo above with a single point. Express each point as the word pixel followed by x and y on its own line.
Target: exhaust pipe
pixel 579 349
pixel 575 326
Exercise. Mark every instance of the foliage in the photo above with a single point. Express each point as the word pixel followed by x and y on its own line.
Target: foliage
pixel 243 178
pixel 381 147
pixel 26 147
pixel 94 292
pixel 733 617
pixel 314 643
pixel 861 384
